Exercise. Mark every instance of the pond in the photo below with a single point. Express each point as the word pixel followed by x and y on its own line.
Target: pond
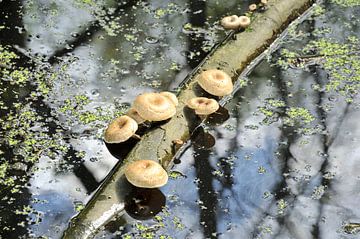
pixel 283 165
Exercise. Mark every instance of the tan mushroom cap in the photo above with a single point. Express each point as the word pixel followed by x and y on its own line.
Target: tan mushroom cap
pixel 264 2
pixel 244 21
pixel 120 130
pixel 134 115
pixel 230 22
pixel 203 105
pixel 172 97
pixel 252 7
pixel 154 107
pixel 146 174
pixel 215 82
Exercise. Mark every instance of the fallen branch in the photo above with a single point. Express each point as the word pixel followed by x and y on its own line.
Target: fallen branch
pixel 232 57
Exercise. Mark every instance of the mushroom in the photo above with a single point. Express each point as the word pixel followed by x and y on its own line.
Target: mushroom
pixel 215 82
pixel 230 22
pixel 177 143
pixel 252 7
pixel 264 2
pixel 146 174
pixel 203 106
pixel 120 130
pixel 132 113
pixel 171 97
pixel 244 21
pixel 154 107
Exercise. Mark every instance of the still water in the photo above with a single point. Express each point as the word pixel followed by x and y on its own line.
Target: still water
pixel 283 165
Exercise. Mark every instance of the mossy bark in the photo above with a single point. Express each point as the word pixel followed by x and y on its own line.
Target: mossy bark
pixel 232 57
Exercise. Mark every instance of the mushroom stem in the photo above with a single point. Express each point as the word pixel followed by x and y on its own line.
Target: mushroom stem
pixel 202 117
pixel 136 136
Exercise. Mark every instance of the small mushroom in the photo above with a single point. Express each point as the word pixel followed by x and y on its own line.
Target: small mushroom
pixel 146 174
pixel 154 107
pixel 177 143
pixel 203 106
pixel 244 21
pixel 134 115
pixel 231 22
pixel 264 2
pixel 215 82
pixel 172 97
pixel 120 130
pixel 252 7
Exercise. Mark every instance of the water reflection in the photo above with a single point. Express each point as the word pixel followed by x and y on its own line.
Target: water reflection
pixel 257 180
pixel 120 150
pixel 219 117
pixel 144 203
pixel 284 162
pixel 202 139
pixel 91 76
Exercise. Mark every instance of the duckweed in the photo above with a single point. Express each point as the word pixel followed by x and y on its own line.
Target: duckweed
pixel 281 206
pixel 342 62
pixel 347 3
pixel 298 115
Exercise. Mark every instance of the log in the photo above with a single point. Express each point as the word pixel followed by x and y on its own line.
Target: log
pixel 232 56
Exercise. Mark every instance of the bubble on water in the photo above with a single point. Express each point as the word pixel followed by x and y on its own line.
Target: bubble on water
pixel 94 159
pixel 122 89
pixel 322 154
pixel 332 98
pixel 95 92
pixel 151 40
pixel 124 71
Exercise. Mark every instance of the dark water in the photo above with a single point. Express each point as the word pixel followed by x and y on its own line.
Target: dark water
pixel 77 65
pixel 284 165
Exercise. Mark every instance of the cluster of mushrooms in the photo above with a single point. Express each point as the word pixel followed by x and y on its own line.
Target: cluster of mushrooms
pixel 235 22
pixel 162 106
pixel 158 107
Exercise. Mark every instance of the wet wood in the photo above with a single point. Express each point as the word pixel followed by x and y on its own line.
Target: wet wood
pixel 232 56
